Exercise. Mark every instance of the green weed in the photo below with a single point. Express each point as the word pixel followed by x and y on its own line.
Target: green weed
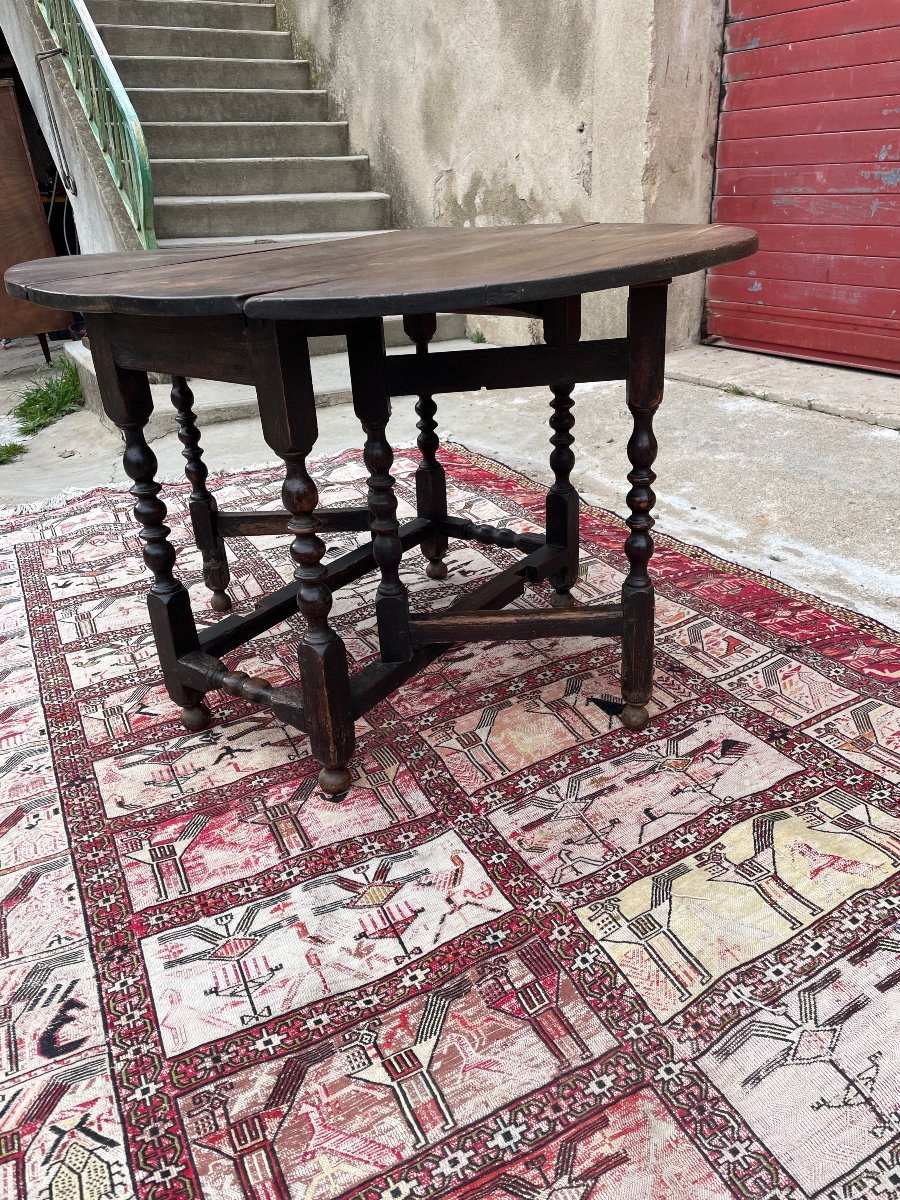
pixel 49 397
pixel 10 451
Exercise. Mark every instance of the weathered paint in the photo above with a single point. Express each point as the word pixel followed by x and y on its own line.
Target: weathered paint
pixel 810 111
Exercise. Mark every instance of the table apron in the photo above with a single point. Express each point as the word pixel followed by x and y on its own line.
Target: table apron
pixel 506 367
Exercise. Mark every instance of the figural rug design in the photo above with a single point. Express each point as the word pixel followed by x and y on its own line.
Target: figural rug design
pixel 531 955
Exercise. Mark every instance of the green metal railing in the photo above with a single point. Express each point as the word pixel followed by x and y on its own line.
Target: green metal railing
pixel 108 109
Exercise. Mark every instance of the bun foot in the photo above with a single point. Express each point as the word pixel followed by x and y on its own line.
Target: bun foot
pixel 196 718
pixel 220 602
pixel 562 600
pixel 436 569
pixel 335 782
pixel 635 716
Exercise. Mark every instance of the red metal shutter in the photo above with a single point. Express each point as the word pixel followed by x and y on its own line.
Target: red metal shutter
pixel 809 155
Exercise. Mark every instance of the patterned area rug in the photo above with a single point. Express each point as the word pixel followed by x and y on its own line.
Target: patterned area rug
pixel 532 955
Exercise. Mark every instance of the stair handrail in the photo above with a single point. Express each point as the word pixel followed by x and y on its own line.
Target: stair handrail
pixel 107 107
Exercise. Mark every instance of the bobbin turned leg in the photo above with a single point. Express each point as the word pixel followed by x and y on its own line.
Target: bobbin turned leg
pixel 287 406
pixel 372 404
pixel 202 503
pixel 644 392
pixel 431 482
pixel 562 327
pixel 128 402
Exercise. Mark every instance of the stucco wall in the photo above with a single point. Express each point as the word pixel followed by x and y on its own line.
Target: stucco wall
pixel 501 111
pixel 100 216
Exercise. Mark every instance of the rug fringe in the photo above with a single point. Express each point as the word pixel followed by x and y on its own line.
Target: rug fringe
pixel 47 504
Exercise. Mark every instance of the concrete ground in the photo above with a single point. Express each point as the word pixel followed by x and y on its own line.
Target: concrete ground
pixel 804 496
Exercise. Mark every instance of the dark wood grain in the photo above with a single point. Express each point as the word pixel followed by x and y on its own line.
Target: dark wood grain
pixel 400 271
pixel 287 408
pixel 562 329
pixel 129 403
pixel 490 535
pixel 198 347
pixel 372 405
pixel 598 621
pixel 431 481
pixel 644 393
pixel 378 679
pixel 197 315
pixel 204 671
pixel 506 367
pixel 257 524
pixel 201 504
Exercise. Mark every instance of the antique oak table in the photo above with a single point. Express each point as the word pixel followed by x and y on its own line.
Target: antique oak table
pixel 243 314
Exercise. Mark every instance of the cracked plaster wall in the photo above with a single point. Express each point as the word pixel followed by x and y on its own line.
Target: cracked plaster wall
pixel 487 112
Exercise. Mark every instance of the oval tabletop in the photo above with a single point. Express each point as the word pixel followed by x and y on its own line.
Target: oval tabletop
pixel 380 274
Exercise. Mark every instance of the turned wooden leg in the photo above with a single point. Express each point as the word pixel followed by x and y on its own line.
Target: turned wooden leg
pixel 287 406
pixel 562 326
pixel 202 503
pixel 431 482
pixel 371 402
pixel 644 392
pixel 128 402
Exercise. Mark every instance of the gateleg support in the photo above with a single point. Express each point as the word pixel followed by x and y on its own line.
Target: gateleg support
pixel 431 480
pixel 202 504
pixel 644 393
pixel 562 327
pixel 280 359
pixel 372 405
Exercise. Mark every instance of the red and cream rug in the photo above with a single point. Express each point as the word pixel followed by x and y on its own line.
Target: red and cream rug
pixel 532 955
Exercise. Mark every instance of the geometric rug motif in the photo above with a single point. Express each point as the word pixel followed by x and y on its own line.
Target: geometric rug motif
pixel 531 954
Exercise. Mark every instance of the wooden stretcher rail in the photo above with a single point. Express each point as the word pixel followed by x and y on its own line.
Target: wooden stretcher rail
pixel 506 367
pixel 235 631
pixel 490 535
pixel 602 620
pixel 207 673
pixel 376 681
pixel 257 524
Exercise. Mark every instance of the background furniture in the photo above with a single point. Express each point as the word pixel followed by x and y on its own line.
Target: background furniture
pixel 23 227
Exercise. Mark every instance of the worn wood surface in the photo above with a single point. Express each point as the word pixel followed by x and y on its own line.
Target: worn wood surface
pixel 643 393
pixel 603 620
pixel 401 271
pixel 287 408
pixel 273 353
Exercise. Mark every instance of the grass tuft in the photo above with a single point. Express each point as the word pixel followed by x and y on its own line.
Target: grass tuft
pixel 477 336
pixel 50 397
pixel 10 451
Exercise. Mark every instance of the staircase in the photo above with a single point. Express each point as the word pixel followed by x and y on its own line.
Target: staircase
pixel 241 147
pixel 241 150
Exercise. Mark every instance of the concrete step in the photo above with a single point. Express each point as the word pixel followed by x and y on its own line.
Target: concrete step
pixel 200 43
pixel 152 71
pixel 219 104
pixel 196 14
pixel 258 176
pixel 216 403
pixel 245 139
pixel 226 216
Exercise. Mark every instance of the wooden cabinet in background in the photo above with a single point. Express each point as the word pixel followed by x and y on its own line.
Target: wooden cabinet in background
pixel 23 226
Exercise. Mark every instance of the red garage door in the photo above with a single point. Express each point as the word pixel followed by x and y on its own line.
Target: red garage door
pixel 809 155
